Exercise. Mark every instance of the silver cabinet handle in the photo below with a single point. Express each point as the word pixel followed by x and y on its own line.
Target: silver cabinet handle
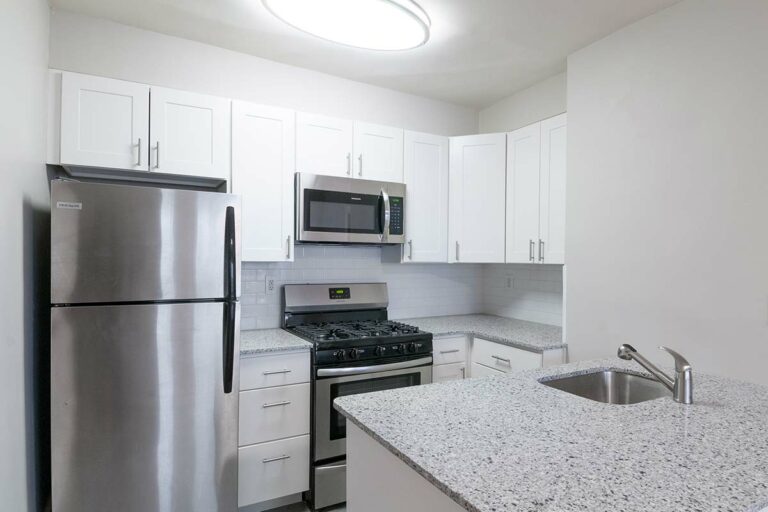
pixel 276 404
pixel 387 215
pixel 349 164
pixel 288 248
pixel 457 250
pixel 277 372
pixel 463 372
pixel 449 351
pixel 275 459
pixel 530 250
pixel 360 161
pixel 410 249
pixel 157 155
pixel 541 250
pixel 503 360
pixel 138 159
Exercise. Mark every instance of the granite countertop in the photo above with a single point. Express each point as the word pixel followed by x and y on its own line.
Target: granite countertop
pixel 508 331
pixel 509 443
pixel 262 341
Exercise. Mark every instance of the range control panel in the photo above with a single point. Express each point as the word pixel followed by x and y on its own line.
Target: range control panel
pixel 396 215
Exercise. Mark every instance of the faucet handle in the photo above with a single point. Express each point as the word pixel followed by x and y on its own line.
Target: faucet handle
pixel 681 363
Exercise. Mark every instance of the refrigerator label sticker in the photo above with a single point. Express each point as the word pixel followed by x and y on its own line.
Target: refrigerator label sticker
pixel 69 206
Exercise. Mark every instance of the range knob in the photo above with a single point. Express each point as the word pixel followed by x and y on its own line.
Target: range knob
pixel 339 355
pixel 354 353
pixel 412 347
pixel 380 351
pixel 400 348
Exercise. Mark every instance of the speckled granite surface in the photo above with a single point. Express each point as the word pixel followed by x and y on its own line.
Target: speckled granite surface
pixel 261 341
pixel 509 443
pixel 508 331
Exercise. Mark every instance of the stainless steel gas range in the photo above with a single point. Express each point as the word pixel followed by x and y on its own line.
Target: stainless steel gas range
pixel 356 350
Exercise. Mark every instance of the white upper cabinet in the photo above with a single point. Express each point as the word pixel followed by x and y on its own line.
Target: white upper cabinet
pixel 190 133
pixel 523 163
pixel 553 166
pixel 323 145
pixel 262 174
pixel 426 204
pixel 378 152
pixel 477 198
pixel 104 122
pixel 536 192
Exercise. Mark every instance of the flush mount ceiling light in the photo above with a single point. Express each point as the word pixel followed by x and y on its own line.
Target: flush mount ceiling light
pixel 369 24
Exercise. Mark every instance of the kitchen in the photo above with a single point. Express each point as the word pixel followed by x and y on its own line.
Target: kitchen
pixel 501 280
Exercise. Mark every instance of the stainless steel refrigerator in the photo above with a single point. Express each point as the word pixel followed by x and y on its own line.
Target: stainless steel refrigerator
pixel 144 349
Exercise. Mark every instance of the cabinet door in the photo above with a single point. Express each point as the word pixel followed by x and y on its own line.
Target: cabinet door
pixel 378 152
pixel 477 202
pixel 446 372
pixel 552 186
pixel 104 122
pixel 426 204
pixel 523 153
pixel 262 174
pixel 190 133
pixel 323 145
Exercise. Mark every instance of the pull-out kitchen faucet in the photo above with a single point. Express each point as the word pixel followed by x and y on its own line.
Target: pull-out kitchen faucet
pixel 681 387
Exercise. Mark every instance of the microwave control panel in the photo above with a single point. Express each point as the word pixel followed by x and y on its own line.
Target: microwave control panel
pixel 395 215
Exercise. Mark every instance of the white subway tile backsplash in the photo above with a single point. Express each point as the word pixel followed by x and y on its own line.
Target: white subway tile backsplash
pixel 415 290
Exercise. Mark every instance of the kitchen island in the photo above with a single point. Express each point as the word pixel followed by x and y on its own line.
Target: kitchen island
pixel 510 443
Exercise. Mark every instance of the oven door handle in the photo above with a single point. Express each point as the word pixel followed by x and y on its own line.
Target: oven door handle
pixel 360 370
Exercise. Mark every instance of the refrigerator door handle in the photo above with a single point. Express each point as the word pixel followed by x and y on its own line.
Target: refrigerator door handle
pixel 230 256
pixel 228 352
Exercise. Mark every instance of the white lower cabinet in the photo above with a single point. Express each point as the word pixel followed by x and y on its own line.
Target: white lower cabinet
pixel 449 354
pixel 272 470
pixel 274 427
pixel 446 372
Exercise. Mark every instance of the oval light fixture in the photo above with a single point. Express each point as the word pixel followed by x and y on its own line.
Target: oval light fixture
pixel 368 24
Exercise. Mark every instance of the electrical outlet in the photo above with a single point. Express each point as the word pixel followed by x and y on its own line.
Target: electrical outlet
pixel 269 285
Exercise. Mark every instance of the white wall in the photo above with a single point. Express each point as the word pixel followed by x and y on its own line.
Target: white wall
pixel 540 101
pixel 99 47
pixel 667 236
pixel 23 253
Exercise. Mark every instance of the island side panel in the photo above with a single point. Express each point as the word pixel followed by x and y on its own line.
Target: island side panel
pixel 377 481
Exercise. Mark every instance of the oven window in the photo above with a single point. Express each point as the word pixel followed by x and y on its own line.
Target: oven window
pixel 341 212
pixel 338 424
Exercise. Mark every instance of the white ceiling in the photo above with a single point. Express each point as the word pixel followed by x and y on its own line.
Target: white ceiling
pixel 480 50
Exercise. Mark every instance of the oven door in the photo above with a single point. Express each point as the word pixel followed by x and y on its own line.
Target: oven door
pixel 347 210
pixel 331 383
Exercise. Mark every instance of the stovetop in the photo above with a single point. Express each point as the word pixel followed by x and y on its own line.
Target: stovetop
pixel 353 330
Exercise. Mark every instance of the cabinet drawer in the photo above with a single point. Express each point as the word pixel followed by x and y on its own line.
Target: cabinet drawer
pixel 272 470
pixel 448 350
pixel 446 372
pixel 274 413
pixel 479 370
pixel 502 357
pixel 274 370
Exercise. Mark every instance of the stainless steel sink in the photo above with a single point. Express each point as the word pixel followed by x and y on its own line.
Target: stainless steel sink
pixel 611 387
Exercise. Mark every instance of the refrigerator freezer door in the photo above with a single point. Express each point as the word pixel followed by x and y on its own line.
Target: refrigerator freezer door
pixel 140 419
pixel 118 243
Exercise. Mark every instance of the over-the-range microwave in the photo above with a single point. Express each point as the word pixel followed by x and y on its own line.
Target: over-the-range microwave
pixel 349 210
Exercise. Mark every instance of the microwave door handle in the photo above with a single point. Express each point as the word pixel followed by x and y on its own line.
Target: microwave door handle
pixel 387 213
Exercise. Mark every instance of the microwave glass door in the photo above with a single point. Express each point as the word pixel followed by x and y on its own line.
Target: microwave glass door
pixel 342 212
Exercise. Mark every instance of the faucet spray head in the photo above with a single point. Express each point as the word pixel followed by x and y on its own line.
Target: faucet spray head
pixel 625 351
